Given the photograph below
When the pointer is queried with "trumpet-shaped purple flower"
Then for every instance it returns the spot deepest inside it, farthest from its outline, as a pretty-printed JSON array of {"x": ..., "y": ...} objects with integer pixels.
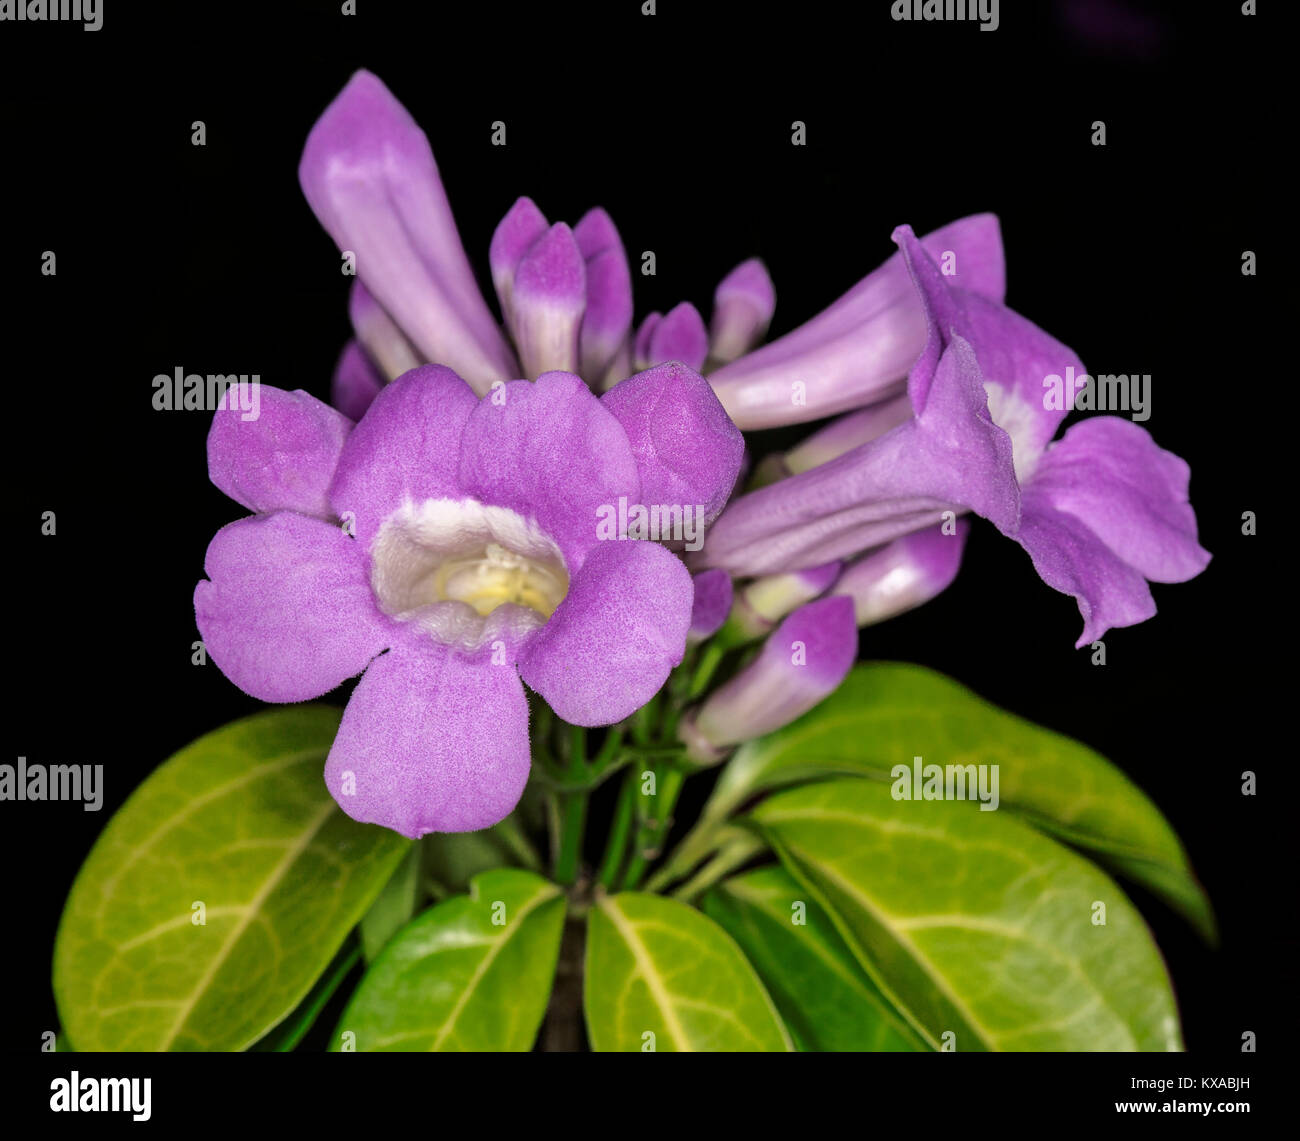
[
  {"x": 1101, "y": 511},
  {"x": 467, "y": 560}
]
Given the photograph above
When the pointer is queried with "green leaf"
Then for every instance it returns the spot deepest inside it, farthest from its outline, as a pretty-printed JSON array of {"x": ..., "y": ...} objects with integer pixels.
[
  {"x": 472, "y": 973},
  {"x": 292, "y": 1030},
  {"x": 658, "y": 967},
  {"x": 239, "y": 823},
  {"x": 887, "y": 713},
  {"x": 974, "y": 923},
  {"x": 826, "y": 999},
  {"x": 394, "y": 907}
]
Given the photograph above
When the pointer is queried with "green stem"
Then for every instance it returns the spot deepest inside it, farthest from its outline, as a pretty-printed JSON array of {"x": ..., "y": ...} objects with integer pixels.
[
  {"x": 572, "y": 811},
  {"x": 709, "y": 662},
  {"x": 655, "y": 823},
  {"x": 739, "y": 847},
  {"x": 612, "y": 861}
]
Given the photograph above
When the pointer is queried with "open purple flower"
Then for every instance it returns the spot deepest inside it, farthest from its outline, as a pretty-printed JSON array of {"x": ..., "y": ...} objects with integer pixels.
[
  {"x": 1101, "y": 512},
  {"x": 468, "y": 559}
]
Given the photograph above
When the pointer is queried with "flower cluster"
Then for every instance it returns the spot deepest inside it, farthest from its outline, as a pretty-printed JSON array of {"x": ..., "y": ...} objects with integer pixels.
[{"x": 436, "y": 529}]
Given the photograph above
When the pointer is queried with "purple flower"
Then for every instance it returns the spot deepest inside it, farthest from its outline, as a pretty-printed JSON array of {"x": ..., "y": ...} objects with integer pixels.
[
  {"x": 1101, "y": 511},
  {"x": 467, "y": 560}
]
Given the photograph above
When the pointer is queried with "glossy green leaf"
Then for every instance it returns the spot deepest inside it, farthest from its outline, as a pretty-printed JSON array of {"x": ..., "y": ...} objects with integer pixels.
[
  {"x": 238, "y": 831},
  {"x": 827, "y": 1000},
  {"x": 974, "y": 923},
  {"x": 289, "y": 1033},
  {"x": 472, "y": 973},
  {"x": 886, "y": 713},
  {"x": 394, "y": 907},
  {"x": 662, "y": 976}
]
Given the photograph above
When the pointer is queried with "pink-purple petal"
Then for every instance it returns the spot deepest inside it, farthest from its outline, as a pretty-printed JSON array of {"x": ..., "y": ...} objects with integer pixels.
[
  {"x": 611, "y": 643},
  {"x": 286, "y": 611},
  {"x": 548, "y": 450},
  {"x": 356, "y": 382},
  {"x": 680, "y": 336},
  {"x": 687, "y": 451},
  {"x": 285, "y": 459},
  {"x": 431, "y": 741},
  {"x": 406, "y": 447}
]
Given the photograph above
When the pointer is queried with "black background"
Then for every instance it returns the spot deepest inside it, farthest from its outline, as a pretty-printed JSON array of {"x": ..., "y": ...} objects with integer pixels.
[{"x": 679, "y": 124}]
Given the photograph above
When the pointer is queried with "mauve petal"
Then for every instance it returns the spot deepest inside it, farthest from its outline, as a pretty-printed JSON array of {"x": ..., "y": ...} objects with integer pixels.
[
  {"x": 713, "y": 595},
  {"x": 1110, "y": 474},
  {"x": 385, "y": 343},
  {"x": 515, "y": 234},
  {"x": 431, "y": 741},
  {"x": 356, "y": 383},
  {"x": 549, "y": 451},
  {"x": 855, "y": 350},
  {"x": 284, "y": 459},
  {"x": 407, "y": 446},
  {"x": 687, "y": 450},
  {"x": 1072, "y": 559},
  {"x": 743, "y": 305},
  {"x": 287, "y": 612},
  {"x": 612, "y": 642},
  {"x": 370, "y": 178},
  {"x": 680, "y": 336}
]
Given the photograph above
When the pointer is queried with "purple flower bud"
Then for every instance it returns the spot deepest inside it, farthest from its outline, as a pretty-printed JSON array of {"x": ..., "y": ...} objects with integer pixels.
[
  {"x": 515, "y": 234},
  {"x": 548, "y": 301},
  {"x": 712, "y": 604},
  {"x": 384, "y": 342},
  {"x": 609, "y": 295},
  {"x": 680, "y": 336},
  {"x": 641, "y": 355},
  {"x": 847, "y": 433},
  {"x": 903, "y": 574},
  {"x": 765, "y": 601},
  {"x": 743, "y": 305},
  {"x": 803, "y": 661}
]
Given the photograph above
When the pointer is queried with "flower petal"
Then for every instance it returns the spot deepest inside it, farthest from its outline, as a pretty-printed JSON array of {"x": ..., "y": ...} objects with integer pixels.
[
  {"x": 687, "y": 450},
  {"x": 284, "y": 459},
  {"x": 370, "y": 178},
  {"x": 612, "y": 642},
  {"x": 713, "y": 595},
  {"x": 287, "y": 612},
  {"x": 431, "y": 741},
  {"x": 407, "y": 446},
  {"x": 549, "y": 451},
  {"x": 1071, "y": 559},
  {"x": 356, "y": 382},
  {"x": 1110, "y": 474}
]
